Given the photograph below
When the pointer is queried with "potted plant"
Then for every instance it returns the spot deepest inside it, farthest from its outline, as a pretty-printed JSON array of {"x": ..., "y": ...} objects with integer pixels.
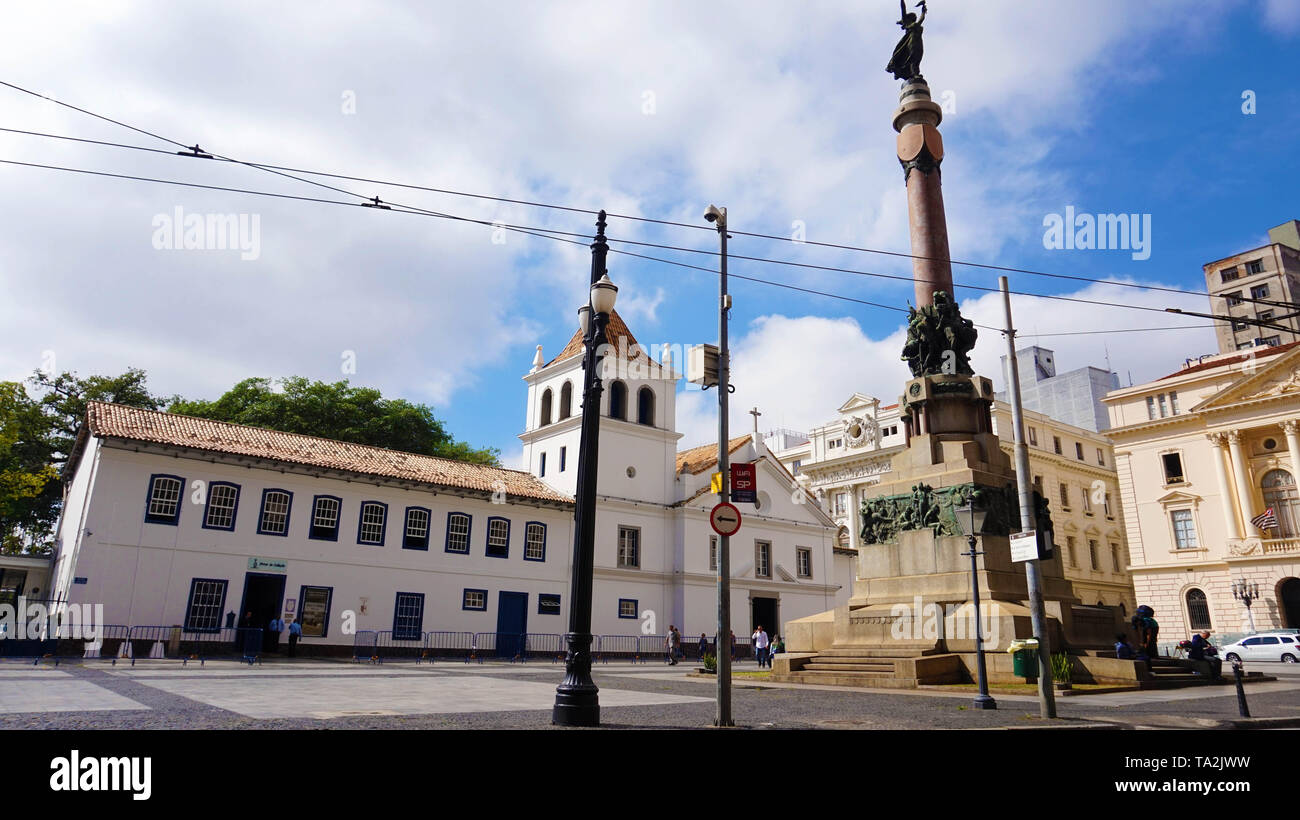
[{"x": 1062, "y": 666}]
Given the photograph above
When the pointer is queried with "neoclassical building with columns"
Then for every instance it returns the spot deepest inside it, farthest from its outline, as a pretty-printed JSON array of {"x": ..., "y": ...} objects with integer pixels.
[
  {"x": 1201, "y": 452},
  {"x": 843, "y": 461}
]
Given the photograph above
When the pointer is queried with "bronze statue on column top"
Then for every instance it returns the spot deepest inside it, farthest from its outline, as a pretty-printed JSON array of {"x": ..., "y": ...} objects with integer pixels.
[{"x": 906, "y": 62}]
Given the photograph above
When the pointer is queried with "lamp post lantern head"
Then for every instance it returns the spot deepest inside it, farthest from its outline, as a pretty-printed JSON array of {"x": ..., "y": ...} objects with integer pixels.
[
  {"x": 584, "y": 319},
  {"x": 970, "y": 518},
  {"x": 603, "y": 295}
]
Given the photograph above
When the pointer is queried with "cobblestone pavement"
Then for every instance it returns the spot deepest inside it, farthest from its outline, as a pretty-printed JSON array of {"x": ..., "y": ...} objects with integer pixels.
[{"x": 327, "y": 694}]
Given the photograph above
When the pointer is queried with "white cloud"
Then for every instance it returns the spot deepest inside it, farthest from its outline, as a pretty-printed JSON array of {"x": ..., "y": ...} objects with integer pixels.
[
  {"x": 779, "y": 112},
  {"x": 1282, "y": 16},
  {"x": 798, "y": 370}
]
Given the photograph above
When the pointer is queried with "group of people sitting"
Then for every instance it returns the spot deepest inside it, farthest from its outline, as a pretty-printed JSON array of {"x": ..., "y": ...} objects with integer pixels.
[{"x": 1199, "y": 649}]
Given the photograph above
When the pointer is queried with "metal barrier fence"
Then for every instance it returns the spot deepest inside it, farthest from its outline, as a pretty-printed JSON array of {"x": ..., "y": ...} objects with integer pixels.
[
  {"x": 363, "y": 645},
  {"x": 546, "y": 645},
  {"x": 399, "y": 646},
  {"x": 618, "y": 646},
  {"x": 175, "y": 642},
  {"x": 513, "y": 646},
  {"x": 448, "y": 645}
]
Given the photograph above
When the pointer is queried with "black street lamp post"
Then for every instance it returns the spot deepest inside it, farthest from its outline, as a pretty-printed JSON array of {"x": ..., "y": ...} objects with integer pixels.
[
  {"x": 974, "y": 516},
  {"x": 576, "y": 698},
  {"x": 1248, "y": 593}
]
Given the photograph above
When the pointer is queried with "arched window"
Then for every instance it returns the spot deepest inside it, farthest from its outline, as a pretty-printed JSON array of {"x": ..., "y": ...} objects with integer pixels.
[
  {"x": 546, "y": 408},
  {"x": 618, "y": 401},
  {"x": 1198, "y": 610},
  {"x": 645, "y": 406},
  {"x": 566, "y": 400},
  {"x": 1280, "y": 494}
]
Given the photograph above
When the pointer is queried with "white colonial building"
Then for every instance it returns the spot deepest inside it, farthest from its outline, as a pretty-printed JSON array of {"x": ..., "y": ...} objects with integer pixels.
[
  {"x": 171, "y": 521},
  {"x": 842, "y": 461}
]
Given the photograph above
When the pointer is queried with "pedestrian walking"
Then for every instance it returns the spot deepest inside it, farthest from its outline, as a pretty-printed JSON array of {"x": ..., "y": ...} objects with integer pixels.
[
  {"x": 733, "y": 644},
  {"x": 295, "y": 632},
  {"x": 761, "y": 643},
  {"x": 704, "y": 646},
  {"x": 672, "y": 644}
]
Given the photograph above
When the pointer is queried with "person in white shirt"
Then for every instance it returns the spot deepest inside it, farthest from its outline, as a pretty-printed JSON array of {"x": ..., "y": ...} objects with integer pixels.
[{"x": 760, "y": 646}]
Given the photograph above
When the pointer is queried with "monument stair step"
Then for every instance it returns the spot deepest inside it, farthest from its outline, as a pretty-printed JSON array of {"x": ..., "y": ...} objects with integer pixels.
[{"x": 838, "y": 666}]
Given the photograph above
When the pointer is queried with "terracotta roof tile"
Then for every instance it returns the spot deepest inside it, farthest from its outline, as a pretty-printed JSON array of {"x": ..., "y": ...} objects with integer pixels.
[
  {"x": 615, "y": 331},
  {"x": 698, "y": 459},
  {"x": 120, "y": 421},
  {"x": 1256, "y": 353}
]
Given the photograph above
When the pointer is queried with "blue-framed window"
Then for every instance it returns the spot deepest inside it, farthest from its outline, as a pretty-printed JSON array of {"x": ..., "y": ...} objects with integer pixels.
[
  {"x": 416, "y": 536},
  {"x": 223, "y": 506},
  {"x": 563, "y": 452},
  {"x": 474, "y": 600},
  {"x": 273, "y": 519},
  {"x": 163, "y": 505},
  {"x": 548, "y": 604},
  {"x": 325, "y": 513},
  {"x": 534, "y": 541},
  {"x": 314, "y": 611},
  {"x": 408, "y": 616},
  {"x": 458, "y": 530},
  {"x": 541, "y": 470},
  {"x": 206, "y": 604},
  {"x": 498, "y": 537},
  {"x": 372, "y": 523},
  {"x": 628, "y": 608}
]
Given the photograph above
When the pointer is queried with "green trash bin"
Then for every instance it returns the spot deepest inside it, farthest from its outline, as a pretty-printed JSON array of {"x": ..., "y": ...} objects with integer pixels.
[
  {"x": 1024, "y": 658},
  {"x": 1025, "y": 663}
]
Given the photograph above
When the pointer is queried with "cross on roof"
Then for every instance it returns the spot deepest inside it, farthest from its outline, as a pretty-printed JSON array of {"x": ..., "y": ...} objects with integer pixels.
[{"x": 754, "y": 412}]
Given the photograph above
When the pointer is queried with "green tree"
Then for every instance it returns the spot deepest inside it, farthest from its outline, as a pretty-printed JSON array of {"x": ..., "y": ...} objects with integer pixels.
[
  {"x": 66, "y": 396},
  {"x": 338, "y": 411},
  {"x": 29, "y": 485}
]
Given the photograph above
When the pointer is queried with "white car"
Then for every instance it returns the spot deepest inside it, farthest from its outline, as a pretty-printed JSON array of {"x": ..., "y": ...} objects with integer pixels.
[{"x": 1265, "y": 646}]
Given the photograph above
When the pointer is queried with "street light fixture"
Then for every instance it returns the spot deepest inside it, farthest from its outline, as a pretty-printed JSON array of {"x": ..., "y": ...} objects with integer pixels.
[
  {"x": 971, "y": 519},
  {"x": 576, "y": 698},
  {"x": 1248, "y": 593}
]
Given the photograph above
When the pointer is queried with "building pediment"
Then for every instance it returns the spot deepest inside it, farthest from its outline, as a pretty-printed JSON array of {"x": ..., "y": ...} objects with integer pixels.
[
  {"x": 1278, "y": 377},
  {"x": 1178, "y": 497},
  {"x": 858, "y": 402}
]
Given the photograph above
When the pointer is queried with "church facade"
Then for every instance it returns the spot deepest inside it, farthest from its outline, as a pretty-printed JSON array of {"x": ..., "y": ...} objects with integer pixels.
[{"x": 656, "y": 554}]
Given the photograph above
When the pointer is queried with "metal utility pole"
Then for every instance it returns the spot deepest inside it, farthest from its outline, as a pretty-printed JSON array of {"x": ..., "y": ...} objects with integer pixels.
[
  {"x": 1046, "y": 698},
  {"x": 723, "y": 715}
]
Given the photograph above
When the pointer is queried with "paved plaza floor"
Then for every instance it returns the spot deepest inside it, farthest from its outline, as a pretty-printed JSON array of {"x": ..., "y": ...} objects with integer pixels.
[{"x": 163, "y": 694}]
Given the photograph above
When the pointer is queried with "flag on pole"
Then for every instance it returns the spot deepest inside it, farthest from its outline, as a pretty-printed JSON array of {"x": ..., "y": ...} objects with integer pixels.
[{"x": 1265, "y": 520}]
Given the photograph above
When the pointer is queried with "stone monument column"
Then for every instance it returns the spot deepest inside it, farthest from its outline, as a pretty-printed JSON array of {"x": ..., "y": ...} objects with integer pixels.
[
  {"x": 1245, "y": 498},
  {"x": 920, "y": 150},
  {"x": 1219, "y": 443}
]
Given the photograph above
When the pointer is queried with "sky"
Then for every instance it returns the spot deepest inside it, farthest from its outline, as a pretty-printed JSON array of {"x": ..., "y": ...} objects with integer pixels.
[{"x": 779, "y": 112}]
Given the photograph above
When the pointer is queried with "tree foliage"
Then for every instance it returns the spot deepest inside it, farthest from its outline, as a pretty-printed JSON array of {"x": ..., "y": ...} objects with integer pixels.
[
  {"x": 37, "y": 432},
  {"x": 337, "y": 411}
]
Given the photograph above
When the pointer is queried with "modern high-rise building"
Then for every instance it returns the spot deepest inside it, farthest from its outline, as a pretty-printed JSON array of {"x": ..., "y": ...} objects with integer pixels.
[
  {"x": 1270, "y": 272},
  {"x": 1073, "y": 397}
]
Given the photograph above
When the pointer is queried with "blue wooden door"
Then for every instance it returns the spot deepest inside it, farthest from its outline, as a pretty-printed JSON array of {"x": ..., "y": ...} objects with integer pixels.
[{"x": 512, "y": 623}]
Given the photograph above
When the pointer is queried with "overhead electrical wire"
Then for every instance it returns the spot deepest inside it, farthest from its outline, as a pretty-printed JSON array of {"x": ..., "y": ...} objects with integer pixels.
[
  {"x": 529, "y": 230},
  {"x": 554, "y": 206}
]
